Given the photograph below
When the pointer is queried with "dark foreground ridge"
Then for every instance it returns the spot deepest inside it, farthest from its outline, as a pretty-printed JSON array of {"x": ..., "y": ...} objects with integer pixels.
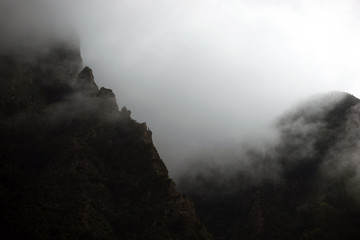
[
  {"x": 306, "y": 186},
  {"x": 72, "y": 166}
]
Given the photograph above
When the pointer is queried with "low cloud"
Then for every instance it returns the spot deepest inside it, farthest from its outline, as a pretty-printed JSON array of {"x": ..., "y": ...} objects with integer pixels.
[
  {"x": 200, "y": 73},
  {"x": 304, "y": 137},
  {"x": 342, "y": 161}
]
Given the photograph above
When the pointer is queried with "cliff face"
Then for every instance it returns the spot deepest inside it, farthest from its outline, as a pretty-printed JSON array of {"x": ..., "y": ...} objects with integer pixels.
[{"x": 72, "y": 166}]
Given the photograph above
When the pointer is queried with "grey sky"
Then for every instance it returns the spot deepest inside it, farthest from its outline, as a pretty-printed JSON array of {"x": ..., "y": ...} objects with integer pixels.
[{"x": 206, "y": 72}]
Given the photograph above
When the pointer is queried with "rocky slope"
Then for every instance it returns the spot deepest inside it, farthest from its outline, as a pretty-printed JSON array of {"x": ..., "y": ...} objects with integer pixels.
[
  {"x": 72, "y": 166},
  {"x": 305, "y": 186}
]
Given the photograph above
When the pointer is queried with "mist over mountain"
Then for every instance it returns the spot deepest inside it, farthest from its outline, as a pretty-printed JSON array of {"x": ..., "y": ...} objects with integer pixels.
[
  {"x": 211, "y": 79},
  {"x": 72, "y": 166},
  {"x": 304, "y": 186},
  {"x": 202, "y": 73}
]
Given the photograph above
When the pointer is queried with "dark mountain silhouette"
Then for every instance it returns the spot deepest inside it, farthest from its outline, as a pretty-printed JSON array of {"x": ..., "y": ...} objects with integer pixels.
[
  {"x": 72, "y": 166},
  {"x": 303, "y": 187}
]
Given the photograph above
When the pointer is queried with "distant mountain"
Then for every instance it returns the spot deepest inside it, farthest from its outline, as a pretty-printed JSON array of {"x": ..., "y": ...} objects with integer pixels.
[
  {"x": 304, "y": 186},
  {"x": 72, "y": 166}
]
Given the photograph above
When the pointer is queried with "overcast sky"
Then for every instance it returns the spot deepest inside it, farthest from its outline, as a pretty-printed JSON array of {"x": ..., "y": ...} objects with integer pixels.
[{"x": 209, "y": 72}]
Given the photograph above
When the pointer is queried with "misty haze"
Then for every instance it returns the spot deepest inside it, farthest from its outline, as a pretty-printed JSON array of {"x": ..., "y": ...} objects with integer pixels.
[{"x": 251, "y": 108}]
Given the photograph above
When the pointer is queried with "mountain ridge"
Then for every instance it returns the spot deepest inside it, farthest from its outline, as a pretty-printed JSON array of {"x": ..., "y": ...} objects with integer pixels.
[
  {"x": 75, "y": 167},
  {"x": 302, "y": 187}
]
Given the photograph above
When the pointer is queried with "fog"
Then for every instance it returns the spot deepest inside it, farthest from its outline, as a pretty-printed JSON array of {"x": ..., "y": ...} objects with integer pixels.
[
  {"x": 204, "y": 73},
  {"x": 305, "y": 137}
]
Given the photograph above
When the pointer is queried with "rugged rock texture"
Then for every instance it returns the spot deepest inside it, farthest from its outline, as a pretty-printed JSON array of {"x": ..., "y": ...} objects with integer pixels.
[
  {"x": 85, "y": 82},
  {"x": 74, "y": 167}
]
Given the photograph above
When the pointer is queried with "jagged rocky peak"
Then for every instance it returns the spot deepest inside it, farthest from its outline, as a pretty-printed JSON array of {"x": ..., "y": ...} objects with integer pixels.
[
  {"x": 77, "y": 162},
  {"x": 106, "y": 93},
  {"x": 107, "y": 100},
  {"x": 125, "y": 113},
  {"x": 85, "y": 82}
]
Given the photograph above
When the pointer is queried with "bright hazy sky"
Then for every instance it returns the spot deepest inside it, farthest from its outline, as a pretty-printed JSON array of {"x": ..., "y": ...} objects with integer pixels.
[{"x": 205, "y": 72}]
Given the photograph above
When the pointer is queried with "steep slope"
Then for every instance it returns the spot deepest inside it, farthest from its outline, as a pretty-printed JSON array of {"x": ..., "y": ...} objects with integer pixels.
[
  {"x": 303, "y": 187},
  {"x": 72, "y": 166}
]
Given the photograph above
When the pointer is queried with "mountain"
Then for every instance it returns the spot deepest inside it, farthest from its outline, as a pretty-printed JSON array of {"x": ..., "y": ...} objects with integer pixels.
[
  {"x": 304, "y": 186},
  {"x": 72, "y": 166}
]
